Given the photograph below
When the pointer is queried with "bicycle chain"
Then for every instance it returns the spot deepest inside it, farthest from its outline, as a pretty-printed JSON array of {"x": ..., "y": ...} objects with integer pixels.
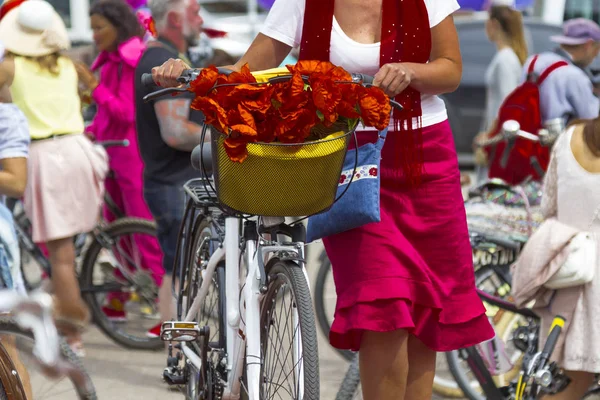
[{"x": 218, "y": 387}]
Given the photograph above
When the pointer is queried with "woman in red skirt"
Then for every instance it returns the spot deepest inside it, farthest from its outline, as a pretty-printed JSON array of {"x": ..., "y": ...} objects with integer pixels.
[{"x": 405, "y": 285}]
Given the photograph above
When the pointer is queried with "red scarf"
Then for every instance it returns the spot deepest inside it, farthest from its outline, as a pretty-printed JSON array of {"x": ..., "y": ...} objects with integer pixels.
[{"x": 405, "y": 37}]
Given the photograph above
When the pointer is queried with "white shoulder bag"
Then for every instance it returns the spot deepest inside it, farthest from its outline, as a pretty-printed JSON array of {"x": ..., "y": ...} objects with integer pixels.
[{"x": 580, "y": 265}]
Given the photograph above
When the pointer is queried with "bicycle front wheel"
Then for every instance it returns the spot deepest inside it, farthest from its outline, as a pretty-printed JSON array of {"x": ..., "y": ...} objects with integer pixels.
[
  {"x": 20, "y": 373},
  {"x": 350, "y": 387},
  {"x": 113, "y": 271},
  {"x": 290, "y": 366}
]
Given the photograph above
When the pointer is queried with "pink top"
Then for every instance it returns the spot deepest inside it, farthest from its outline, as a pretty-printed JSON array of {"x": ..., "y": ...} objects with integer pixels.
[{"x": 115, "y": 95}]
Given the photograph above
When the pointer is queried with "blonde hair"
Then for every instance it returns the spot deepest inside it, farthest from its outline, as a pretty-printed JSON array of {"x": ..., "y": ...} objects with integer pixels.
[
  {"x": 48, "y": 62},
  {"x": 511, "y": 22}
]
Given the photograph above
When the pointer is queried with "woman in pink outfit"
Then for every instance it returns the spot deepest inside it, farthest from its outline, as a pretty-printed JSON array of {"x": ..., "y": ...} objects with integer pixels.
[
  {"x": 117, "y": 34},
  {"x": 405, "y": 286}
]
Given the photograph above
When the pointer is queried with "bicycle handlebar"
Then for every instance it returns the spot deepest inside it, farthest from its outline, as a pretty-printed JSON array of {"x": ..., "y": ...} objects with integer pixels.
[
  {"x": 113, "y": 143},
  {"x": 553, "y": 336},
  {"x": 190, "y": 75},
  {"x": 511, "y": 129}
]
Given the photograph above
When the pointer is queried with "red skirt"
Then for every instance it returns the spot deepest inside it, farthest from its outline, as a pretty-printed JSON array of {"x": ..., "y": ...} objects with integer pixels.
[{"x": 414, "y": 269}]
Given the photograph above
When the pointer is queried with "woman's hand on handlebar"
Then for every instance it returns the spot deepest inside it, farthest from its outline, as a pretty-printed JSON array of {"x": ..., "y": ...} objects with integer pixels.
[
  {"x": 393, "y": 78},
  {"x": 166, "y": 75}
]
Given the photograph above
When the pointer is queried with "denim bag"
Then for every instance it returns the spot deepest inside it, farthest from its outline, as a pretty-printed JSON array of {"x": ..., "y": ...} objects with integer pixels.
[{"x": 359, "y": 204}]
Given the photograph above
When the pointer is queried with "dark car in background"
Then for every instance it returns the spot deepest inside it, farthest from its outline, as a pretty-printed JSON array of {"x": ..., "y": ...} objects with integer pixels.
[{"x": 466, "y": 106}]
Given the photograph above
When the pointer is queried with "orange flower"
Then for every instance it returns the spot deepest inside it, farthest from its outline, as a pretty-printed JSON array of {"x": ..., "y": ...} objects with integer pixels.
[
  {"x": 348, "y": 105},
  {"x": 266, "y": 125},
  {"x": 326, "y": 96},
  {"x": 205, "y": 81},
  {"x": 295, "y": 126},
  {"x": 243, "y": 76},
  {"x": 241, "y": 121},
  {"x": 262, "y": 104},
  {"x": 236, "y": 148},
  {"x": 291, "y": 95},
  {"x": 214, "y": 114},
  {"x": 286, "y": 112},
  {"x": 374, "y": 108}
]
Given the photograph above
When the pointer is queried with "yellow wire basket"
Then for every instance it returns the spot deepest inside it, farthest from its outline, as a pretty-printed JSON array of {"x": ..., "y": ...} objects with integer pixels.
[{"x": 279, "y": 179}]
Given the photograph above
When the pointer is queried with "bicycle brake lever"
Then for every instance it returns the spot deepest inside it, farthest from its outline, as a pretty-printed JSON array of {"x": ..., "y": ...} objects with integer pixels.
[
  {"x": 396, "y": 105},
  {"x": 162, "y": 92}
]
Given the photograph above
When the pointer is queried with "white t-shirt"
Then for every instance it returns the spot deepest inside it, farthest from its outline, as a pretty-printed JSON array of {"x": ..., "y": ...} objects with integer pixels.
[{"x": 284, "y": 24}]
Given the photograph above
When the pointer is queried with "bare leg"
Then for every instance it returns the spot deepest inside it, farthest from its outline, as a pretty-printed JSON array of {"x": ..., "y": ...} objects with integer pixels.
[
  {"x": 69, "y": 303},
  {"x": 9, "y": 343},
  {"x": 580, "y": 383},
  {"x": 384, "y": 365},
  {"x": 421, "y": 359}
]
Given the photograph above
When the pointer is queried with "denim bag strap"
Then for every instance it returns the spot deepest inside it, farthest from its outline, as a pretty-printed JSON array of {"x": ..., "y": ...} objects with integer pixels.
[{"x": 381, "y": 139}]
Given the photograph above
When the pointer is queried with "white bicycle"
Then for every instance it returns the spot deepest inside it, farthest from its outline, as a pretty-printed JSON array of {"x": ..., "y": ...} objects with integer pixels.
[{"x": 246, "y": 326}]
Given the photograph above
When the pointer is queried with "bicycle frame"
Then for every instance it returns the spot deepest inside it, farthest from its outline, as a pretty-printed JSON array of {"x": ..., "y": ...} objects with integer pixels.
[
  {"x": 243, "y": 323},
  {"x": 474, "y": 359}
]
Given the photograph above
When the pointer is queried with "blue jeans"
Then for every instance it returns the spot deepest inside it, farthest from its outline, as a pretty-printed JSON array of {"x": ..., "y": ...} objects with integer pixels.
[
  {"x": 167, "y": 205},
  {"x": 10, "y": 256}
]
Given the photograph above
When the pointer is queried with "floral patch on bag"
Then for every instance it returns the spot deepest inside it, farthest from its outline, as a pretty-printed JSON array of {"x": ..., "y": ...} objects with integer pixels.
[{"x": 362, "y": 172}]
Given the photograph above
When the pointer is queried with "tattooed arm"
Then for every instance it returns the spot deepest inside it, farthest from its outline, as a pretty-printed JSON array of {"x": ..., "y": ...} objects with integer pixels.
[{"x": 176, "y": 129}]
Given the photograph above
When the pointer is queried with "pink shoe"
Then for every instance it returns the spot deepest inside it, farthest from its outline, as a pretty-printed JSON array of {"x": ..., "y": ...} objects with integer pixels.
[
  {"x": 154, "y": 332},
  {"x": 114, "y": 315}
]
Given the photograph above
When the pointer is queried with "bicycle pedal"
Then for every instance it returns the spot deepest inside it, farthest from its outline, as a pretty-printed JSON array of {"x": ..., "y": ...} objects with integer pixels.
[
  {"x": 176, "y": 331},
  {"x": 173, "y": 378}
]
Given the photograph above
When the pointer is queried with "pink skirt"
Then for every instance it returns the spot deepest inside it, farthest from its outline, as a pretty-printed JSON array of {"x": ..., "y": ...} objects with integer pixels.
[
  {"x": 414, "y": 269},
  {"x": 65, "y": 186}
]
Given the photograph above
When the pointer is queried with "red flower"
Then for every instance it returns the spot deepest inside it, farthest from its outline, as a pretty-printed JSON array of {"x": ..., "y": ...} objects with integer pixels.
[
  {"x": 317, "y": 93},
  {"x": 236, "y": 148},
  {"x": 373, "y": 171},
  {"x": 214, "y": 114},
  {"x": 205, "y": 81},
  {"x": 342, "y": 178},
  {"x": 374, "y": 108}
]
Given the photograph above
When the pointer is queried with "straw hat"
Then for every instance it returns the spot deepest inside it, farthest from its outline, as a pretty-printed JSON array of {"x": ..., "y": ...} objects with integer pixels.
[{"x": 34, "y": 29}]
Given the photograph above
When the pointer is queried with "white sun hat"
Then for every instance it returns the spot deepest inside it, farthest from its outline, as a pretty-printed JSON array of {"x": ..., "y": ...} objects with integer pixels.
[
  {"x": 506, "y": 3},
  {"x": 34, "y": 29}
]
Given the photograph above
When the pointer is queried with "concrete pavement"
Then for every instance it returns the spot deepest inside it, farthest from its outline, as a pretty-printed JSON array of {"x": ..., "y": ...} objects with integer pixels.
[{"x": 124, "y": 374}]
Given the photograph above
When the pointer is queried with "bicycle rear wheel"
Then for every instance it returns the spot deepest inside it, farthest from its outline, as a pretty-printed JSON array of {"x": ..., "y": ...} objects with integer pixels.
[
  {"x": 205, "y": 382},
  {"x": 113, "y": 251},
  {"x": 325, "y": 298},
  {"x": 287, "y": 311},
  {"x": 79, "y": 385}
]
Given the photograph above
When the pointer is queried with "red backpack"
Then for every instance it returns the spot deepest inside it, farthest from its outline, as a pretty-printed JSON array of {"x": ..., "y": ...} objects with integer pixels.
[{"x": 518, "y": 159}]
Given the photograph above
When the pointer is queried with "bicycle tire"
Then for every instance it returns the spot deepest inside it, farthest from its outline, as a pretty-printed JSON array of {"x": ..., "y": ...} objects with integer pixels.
[
  {"x": 123, "y": 226},
  {"x": 10, "y": 327},
  {"x": 350, "y": 386},
  {"x": 288, "y": 272},
  {"x": 9, "y": 382},
  {"x": 192, "y": 286},
  {"x": 320, "y": 312},
  {"x": 460, "y": 375}
]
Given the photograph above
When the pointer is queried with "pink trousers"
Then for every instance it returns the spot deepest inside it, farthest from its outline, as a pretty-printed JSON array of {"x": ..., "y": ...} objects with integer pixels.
[{"x": 125, "y": 188}]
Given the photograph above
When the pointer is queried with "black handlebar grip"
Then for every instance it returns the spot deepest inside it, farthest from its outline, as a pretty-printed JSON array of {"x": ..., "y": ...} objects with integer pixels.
[
  {"x": 148, "y": 81},
  {"x": 553, "y": 336}
]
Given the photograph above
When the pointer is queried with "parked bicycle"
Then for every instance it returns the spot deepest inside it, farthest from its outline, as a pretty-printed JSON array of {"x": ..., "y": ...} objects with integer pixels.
[
  {"x": 109, "y": 263},
  {"x": 258, "y": 293},
  {"x": 29, "y": 329}
]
